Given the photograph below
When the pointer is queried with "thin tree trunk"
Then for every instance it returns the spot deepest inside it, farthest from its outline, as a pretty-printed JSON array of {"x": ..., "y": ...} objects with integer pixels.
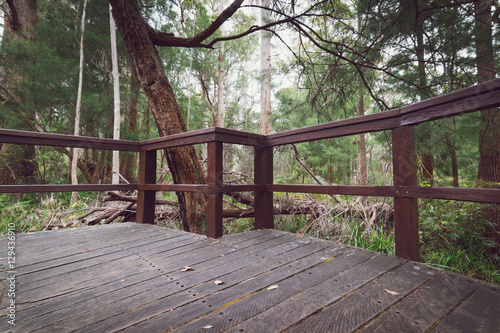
[
  {"x": 427, "y": 158},
  {"x": 183, "y": 161},
  {"x": 116, "y": 95},
  {"x": 362, "y": 178},
  {"x": 453, "y": 156},
  {"x": 189, "y": 88},
  {"x": 76, "y": 151},
  {"x": 220, "y": 90},
  {"x": 128, "y": 164},
  {"x": 265, "y": 64}
]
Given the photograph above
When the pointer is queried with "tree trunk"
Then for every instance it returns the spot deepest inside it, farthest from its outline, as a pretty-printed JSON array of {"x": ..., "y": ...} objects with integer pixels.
[
  {"x": 453, "y": 156},
  {"x": 128, "y": 160},
  {"x": 362, "y": 178},
  {"x": 183, "y": 161},
  {"x": 76, "y": 151},
  {"x": 17, "y": 162},
  {"x": 265, "y": 65},
  {"x": 427, "y": 158},
  {"x": 116, "y": 98},
  {"x": 220, "y": 90},
  {"x": 489, "y": 133}
]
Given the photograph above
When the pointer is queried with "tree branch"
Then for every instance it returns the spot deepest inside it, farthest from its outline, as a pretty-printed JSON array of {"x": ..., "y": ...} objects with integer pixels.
[{"x": 167, "y": 39}]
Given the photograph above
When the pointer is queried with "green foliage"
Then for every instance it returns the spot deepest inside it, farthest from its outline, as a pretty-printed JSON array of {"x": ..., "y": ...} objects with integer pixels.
[{"x": 453, "y": 236}]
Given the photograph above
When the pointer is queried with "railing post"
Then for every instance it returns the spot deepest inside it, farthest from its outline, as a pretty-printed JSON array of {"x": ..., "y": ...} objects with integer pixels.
[
  {"x": 146, "y": 200},
  {"x": 405, "y": 209},
  {"x": 263, "y": 175},
  {"x": 214, "y": 198}
]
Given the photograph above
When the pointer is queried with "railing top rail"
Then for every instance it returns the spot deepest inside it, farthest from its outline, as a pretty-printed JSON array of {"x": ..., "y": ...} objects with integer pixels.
[
  {"x": 64, "y": 140},
  {"x": 479, "y": 97},
  {"x": 205, "y": 135}
]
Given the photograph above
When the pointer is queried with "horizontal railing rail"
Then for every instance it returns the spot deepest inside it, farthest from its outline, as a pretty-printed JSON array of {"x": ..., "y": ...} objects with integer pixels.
[{"x": 400, "y": 121}]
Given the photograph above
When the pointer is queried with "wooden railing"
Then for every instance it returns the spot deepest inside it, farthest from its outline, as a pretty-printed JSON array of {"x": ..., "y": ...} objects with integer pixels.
[{"x": 405, "y": 189}]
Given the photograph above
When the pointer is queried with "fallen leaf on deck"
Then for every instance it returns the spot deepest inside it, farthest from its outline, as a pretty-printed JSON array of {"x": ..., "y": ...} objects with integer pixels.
[
  {"x": 391, "y": 292},
  {"x": 187, "y": 268},
  {"x": 274, "y": 286},
  {"x": 208, "y": 327},
  {"x": 217, "y": 282}
]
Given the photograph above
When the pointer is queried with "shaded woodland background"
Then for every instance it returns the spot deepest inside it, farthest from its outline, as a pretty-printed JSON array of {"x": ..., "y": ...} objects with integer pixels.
[{"x": 326, "y": 61}]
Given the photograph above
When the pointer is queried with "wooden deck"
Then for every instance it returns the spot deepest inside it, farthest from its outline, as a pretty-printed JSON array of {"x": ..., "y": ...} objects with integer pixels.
[{"x": 129, "y": 277}]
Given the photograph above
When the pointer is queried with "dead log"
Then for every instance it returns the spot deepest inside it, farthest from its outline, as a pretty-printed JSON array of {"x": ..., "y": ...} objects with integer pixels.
[{"x": 375, "y": 214}]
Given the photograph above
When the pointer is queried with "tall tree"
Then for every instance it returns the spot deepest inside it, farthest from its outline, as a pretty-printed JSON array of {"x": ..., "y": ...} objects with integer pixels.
[
  {"x": 489, "y": 133},
  {"x": 265, "y": 71},
  {"x": 17, "y": 163},
  {"x": 489, "y": 136},
  {"x": 116, "y": 97},
  {"x": 183, "y": 162},
  {"x": 76, "y": 151}
]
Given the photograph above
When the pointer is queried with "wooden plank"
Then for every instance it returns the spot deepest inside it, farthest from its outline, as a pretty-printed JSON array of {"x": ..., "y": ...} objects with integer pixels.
[
  {"x": 62, "y": 140},
  {"x": 66, "y": 188},
  {"x": 146, "y": 199},
  {"x": 479, "y": 97},
  {"x": 109, "y": 302},
  {"x": 126, "y": 282},
  {"x": 122, "y": 281},
  {"x": 307, "y": 302},
  {"x": 479, "y": 313},
  {"x": 104, "y": 247},
  {"x": 352, "y": 311},
  {"x": 486, "y": 195},
  {"x": 207, "y": 188},
  {"x": 86, "y": 249},
  {"x": 419, "y": 311},
  {"x": 405, "y": 209},
  {"x": 201, "y": 286},
  {"x": 263, "y": 199},
  {"x": 234, "y": 293},
  {"x": 233, "y": 313},
  {"x": 203, "y": 136},
  {"x": 362, "y": 124},
  {"x": 378, "y": 191},
  {"x": 97, "y": 274},
  {"x": 215, "y": 173}
]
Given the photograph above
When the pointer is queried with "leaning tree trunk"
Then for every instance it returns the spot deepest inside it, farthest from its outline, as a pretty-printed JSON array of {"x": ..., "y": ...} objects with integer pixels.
[
  {"x": 182, "y": 161},
  {"x": 17, "y": 162}
]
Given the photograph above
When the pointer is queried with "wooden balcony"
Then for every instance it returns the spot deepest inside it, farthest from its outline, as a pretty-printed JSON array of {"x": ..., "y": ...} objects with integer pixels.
[
  {"x": 129, "y": 277},
  {"x": 132, "y": 278}
]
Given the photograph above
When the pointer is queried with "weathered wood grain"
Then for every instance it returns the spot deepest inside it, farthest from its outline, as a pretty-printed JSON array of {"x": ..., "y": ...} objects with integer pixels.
[
  {"x": 62, "y": 140},
  {"x": 132, "y": 281},
  {"x": 420, "y": 310},
  {"x": 297, "y": 308},
  {"x": 353, "y": 311},
  {"x": 479, "y": 313}
]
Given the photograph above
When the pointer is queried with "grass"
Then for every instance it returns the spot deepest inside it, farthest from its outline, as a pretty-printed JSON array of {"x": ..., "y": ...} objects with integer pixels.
[
  {"x": 453, "y": 236},
  {"x": 31, "y": 212}
]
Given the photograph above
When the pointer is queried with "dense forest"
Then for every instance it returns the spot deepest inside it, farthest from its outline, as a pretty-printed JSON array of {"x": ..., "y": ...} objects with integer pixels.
[{"x": 142, "y": 69}]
